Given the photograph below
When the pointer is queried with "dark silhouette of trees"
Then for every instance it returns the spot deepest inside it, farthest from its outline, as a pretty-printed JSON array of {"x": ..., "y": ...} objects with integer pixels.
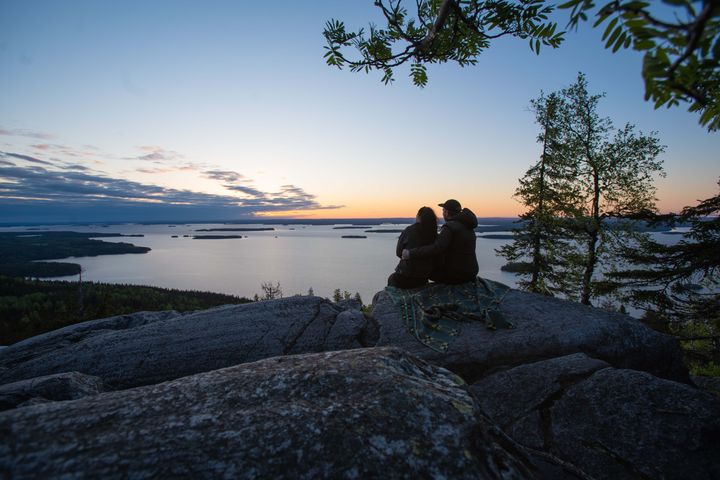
[{"x": 31, "y": 307}]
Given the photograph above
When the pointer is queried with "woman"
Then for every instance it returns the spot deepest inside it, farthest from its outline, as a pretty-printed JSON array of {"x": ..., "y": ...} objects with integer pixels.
[{"x": 414, "y": 273}]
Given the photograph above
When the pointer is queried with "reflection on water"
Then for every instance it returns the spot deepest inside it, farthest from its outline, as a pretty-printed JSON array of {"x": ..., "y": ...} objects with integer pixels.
[{"x": 297, "y": 256}]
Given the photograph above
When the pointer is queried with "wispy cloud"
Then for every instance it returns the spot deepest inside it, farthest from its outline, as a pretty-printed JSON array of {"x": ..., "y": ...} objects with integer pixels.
[
  {"x": 155, "y": 170},
  {"x": 224, "y": 175},
  {"x": 20, "y": 132},
  {"x": 27, "y": 158},
  {"x": 52, "y": 179},
  {"x": 158, "y": 154},
  {"x": 253, "y": 192}
]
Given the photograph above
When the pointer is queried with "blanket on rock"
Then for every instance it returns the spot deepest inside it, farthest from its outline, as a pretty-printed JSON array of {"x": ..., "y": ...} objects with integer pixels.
[{"x": 434, "y": 313}]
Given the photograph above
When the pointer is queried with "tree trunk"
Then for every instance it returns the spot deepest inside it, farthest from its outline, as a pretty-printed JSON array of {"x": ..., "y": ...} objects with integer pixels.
[
  {"x": 540, "y": 213},
  {"x": 593, "y": 231}
]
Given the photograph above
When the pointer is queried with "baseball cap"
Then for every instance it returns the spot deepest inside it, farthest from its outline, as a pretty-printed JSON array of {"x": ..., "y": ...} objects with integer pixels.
[{"x": 451, "y": 205}]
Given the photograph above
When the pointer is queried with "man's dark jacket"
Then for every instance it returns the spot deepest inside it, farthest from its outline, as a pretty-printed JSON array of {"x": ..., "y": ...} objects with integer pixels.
[
  {"x": 455, "y": 249},
  {"x": 418, "y": 267}
]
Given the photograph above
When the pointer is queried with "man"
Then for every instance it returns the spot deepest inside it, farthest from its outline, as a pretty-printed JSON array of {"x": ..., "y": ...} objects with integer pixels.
[{"x": 454, "y": 248}]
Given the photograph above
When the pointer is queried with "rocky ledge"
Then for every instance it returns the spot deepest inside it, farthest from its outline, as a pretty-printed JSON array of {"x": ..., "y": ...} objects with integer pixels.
[{"x": 245, "y": 391}]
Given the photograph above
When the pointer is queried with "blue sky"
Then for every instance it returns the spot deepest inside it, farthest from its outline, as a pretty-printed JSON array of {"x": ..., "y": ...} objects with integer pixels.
[{"x": 150, "y": 100}]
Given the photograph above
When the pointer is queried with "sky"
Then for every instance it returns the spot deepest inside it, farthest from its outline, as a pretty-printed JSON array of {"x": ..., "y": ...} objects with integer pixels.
[{"x": 222, "y": 110}]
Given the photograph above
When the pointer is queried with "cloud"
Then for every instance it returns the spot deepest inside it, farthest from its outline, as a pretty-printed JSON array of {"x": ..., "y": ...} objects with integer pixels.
[
  {"x": 224, "y": 175},
  {"x": 158, "y": 154},
  {"x": 154, "y": 171},
  {"x": 253, "y": 192},
  {"x": 56, "y": 183},
  {"x": 74, "y": 166},
  {"x": 23, "y": 189},
  {"x": 19, "y": 132},
  {"x": 27, "y": 158}
]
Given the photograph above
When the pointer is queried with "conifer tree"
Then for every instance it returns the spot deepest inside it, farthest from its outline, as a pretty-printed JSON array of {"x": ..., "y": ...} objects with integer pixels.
[
  {"x": 678, "y": 282},
  {"x": 547, "y": 190},
  {"x": 678, "y": 285},
  {"x": 614, "y": 174}
]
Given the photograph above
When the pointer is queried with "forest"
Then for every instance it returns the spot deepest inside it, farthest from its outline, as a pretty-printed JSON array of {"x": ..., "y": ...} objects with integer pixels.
[{"x": 32, "y": 307}]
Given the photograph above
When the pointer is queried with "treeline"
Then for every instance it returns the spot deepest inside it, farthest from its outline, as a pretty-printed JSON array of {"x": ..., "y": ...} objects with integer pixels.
[
  {"x": 32, "y": 307},
  {"x": 586, "y": 196}
]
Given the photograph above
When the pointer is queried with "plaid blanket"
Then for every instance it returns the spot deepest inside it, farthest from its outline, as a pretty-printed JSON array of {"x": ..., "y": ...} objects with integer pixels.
[{"x": 434, "y": 313}]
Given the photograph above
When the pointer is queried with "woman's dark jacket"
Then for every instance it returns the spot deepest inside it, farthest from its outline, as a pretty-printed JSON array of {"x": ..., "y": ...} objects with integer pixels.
[
  {"x": 454, "y": 247},
  {"x": 419, "y": 268}
]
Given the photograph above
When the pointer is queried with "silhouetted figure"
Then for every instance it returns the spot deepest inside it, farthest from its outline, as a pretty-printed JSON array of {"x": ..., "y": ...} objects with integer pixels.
[
  {"x": 414, "y": 273},
  {"x": 454, "y": 248}
]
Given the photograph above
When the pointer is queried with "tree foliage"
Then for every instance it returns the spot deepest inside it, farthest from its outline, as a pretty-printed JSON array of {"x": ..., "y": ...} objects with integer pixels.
[
  {"x": 681, "y": 62},
  {"x": 542, "y": 249},
  {"x": 677, "y": 280},
  {"x": 614, "y": 172},
  {"x": 438, "y": 31},
  {"x": 588, "y": 174},
  {"x": 677, "y": 284}
]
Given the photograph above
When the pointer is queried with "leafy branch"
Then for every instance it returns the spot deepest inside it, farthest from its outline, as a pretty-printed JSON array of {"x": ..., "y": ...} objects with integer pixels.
[{"x": 441, "y": 31}]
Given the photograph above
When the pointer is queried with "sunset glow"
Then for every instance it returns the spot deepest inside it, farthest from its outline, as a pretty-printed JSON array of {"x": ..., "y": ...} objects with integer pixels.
[{"x": 230, "y": 108}]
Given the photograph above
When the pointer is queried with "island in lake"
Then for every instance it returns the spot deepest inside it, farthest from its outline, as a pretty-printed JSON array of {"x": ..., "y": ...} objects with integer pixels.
[
  {"x": 354, "y": 236},
  {"x": 215, "y": 237},
  {"x": 498, "y": 236},
  {"x": 20, "y": 251},
  {"x": 239, "y": 229}
]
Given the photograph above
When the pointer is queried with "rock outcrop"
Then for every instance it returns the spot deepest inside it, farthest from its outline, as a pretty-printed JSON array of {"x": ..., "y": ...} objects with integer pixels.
[
  {"x": 616, "y": 423},
  {"x": 545, "y": 328},
  {"x": 371, "y": 413},
  {"x": 61, "y": 386},
  {"x": 147, "y": 348},
  {"x": 571, "y": 392}
]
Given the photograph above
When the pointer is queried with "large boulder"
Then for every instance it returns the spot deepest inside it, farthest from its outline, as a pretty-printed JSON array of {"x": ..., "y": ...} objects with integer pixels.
[
  {"x": 148, "y": 348},
  {"x": 544, "y": 328},
  {"x": 366, "y": 413},
  {"x": 614, "y": 423}
]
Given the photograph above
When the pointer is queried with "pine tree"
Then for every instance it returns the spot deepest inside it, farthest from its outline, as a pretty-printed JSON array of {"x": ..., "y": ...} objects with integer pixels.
[
  {"x": 678, "y": 281},
  {"x": 679, "y": 285},
  {"x": 548, "y": 191}
]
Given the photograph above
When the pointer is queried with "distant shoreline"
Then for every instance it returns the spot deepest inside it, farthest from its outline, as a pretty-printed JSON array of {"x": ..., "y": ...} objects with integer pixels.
[
  {"x": 360, "y": 222},
  {"x": 485, "y": 224}
]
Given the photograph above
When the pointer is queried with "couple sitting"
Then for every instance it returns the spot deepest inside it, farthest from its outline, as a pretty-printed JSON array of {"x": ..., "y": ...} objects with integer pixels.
[{"x": 447, "y": 257}]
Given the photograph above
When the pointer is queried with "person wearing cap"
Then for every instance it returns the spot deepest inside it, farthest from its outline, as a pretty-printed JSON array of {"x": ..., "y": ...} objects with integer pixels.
[{"x": 454, "y": 248}]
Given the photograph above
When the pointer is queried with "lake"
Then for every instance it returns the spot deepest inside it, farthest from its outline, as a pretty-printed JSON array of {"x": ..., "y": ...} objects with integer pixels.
[{"x": 299, "y": 257}]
